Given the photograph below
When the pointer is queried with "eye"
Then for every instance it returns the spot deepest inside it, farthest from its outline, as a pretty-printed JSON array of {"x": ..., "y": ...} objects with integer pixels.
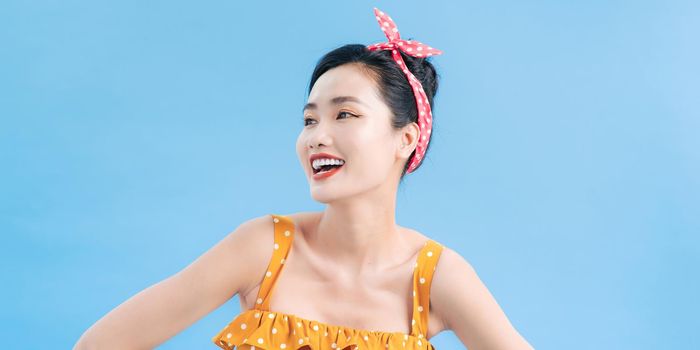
[
  {"x": 339, "y": 114},
  {"x": 348, "y": 113}
]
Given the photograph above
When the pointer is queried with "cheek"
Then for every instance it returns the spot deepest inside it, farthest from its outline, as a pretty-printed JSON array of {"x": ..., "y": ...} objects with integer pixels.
[
  {"x": 301, "y": 149},
  {"x": 369, "y": 148}
]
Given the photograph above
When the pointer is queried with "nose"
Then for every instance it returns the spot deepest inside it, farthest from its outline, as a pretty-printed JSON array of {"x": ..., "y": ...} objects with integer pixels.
[{"x": 319, "y": 136}]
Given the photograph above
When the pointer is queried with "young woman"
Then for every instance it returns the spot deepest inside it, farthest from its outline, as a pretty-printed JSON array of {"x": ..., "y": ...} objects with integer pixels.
[{"x": 348, "y": 277}]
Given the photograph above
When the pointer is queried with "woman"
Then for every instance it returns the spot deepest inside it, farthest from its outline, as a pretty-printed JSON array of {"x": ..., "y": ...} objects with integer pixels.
[{"x": 347, "y": 270}]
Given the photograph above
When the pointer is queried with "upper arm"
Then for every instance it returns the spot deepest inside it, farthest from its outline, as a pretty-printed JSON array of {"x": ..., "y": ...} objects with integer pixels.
[
  {"x": 162, "y": 310},
  {"x": 465, "y": 305}
]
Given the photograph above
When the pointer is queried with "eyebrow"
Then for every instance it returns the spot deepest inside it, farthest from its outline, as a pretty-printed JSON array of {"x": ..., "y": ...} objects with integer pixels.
[{"x": 336, "y": 101}]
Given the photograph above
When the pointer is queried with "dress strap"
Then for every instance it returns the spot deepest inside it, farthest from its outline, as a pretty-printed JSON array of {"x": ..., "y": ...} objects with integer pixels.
[
  {"x": 422, "y": 277},
  {"x": 283, "y": 237}
]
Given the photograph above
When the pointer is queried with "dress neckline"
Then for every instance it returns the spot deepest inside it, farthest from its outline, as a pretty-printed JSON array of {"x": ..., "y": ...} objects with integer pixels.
[
  {"x": 264, "y": 313},
  {"x": 423, "y": 267}
]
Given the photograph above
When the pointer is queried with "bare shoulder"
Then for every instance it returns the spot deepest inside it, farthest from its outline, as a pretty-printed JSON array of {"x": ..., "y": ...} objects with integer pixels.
[
  {"x": 254, "y": 239},
  {"x": 252, "y": 242},
  {"x": 466, "y": 306}
]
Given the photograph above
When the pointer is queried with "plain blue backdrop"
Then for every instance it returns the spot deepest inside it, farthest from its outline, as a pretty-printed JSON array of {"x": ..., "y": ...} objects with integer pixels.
[{"x": 565, "y": 163}]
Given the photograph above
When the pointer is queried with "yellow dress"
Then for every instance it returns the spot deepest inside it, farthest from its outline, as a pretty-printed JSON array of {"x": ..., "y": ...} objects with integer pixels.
[{"x": 262, "y": 329}]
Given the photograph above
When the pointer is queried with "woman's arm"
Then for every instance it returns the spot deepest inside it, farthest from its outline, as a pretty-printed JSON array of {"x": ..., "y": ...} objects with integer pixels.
[
  {"x": 164, "y": 309},
  {"x": 467, "y": 307}
]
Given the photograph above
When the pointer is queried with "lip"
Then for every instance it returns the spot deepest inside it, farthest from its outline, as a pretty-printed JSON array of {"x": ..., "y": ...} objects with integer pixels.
[{"x": 321, "y": 176}]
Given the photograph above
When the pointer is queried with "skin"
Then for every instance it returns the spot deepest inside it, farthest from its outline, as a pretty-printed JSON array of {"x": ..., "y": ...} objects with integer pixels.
[{"x": 349, "y": 265}]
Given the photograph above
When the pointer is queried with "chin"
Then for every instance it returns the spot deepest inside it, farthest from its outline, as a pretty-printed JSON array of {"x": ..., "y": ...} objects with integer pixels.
[
  {"x": 327, "y": 194},
  {"x": 324, "y": 196}
]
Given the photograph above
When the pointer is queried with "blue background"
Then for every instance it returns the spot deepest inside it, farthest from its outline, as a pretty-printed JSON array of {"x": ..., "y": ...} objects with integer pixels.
[{"x": 565, "y": 163}]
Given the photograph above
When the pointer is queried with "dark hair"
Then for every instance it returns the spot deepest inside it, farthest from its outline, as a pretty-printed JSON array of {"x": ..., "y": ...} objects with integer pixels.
[{"x": 390, "y": 79}]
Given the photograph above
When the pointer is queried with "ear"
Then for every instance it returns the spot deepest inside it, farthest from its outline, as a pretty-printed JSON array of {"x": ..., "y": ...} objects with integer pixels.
[{"x": 408, "y": 140}]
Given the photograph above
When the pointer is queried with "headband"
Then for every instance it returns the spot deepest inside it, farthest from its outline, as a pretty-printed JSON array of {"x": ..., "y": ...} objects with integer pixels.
[{"x": 416, "y": 49}]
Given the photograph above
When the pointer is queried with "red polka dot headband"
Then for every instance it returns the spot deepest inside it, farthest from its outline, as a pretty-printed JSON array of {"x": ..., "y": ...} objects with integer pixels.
[{"x": 416, "y": 49}]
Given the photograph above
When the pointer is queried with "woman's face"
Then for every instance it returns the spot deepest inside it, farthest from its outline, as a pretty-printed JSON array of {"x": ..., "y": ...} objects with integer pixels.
[{"x": 356, "y": 129}]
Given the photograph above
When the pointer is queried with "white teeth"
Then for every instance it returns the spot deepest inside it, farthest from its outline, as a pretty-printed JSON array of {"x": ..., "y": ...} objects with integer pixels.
[{"x": 318, "y": 163}]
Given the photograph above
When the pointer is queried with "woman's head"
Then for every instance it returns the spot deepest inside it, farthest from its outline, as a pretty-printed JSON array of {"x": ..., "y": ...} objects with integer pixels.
[{"x": 376, "y": 136}]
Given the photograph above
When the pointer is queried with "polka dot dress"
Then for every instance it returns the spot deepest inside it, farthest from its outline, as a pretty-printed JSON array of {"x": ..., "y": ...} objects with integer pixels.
[
  {"x": 416, "y": 49},
  {"x": 262, "y": 328}
]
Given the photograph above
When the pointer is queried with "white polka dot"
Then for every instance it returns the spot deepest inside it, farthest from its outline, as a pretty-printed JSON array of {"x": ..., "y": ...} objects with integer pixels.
[
  {"x": 334, "y": 345},
  {"x": 268, "y": 274},
  {"x": 276, "y": 220},
  {"x": 270, "y": 315},
  {"x": 422, "y": 280},
  {"x": 419, "y": 343},
  {"x": 414, "y": 293},
  {"x": 366, "y": 338},
  {"x": 244, "y": 326},
  {"x": 229, "y": 335},
  {"x": 301, "y": 341},
  {"x": 286, "y": 233},
  {"x": 298, "y": 324},
  {"x": 315, "y": 327},
  {"x": 420, "y": 308},
  {"x": 282, "y": 261},
  {"x": 257, "y": 314},
  {"x": 430, "y": 253},
  {"x": 277, "y": 246},
  {"x": 413, "y": 321},
  {"x": 274, "y": 330},
  {"x": 259, "y": 301},
  {"x": 260, "y": 340},
  {"x": 283, "y": 345}
]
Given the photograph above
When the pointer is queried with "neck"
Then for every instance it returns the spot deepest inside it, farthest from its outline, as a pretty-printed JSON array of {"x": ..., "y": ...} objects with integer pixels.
[{"x": 361, "y": 235}]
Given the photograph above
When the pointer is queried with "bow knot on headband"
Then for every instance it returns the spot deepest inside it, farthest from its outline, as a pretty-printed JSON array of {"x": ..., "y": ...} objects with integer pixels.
[{"x": 415, "y": 49}]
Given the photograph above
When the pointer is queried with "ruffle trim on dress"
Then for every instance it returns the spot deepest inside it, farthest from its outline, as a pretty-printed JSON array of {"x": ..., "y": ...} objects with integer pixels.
[{"x": 268, "y": 330}]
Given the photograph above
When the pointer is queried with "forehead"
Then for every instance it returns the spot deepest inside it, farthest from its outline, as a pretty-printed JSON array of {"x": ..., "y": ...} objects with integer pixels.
[{"x": 345, "y": 80}]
